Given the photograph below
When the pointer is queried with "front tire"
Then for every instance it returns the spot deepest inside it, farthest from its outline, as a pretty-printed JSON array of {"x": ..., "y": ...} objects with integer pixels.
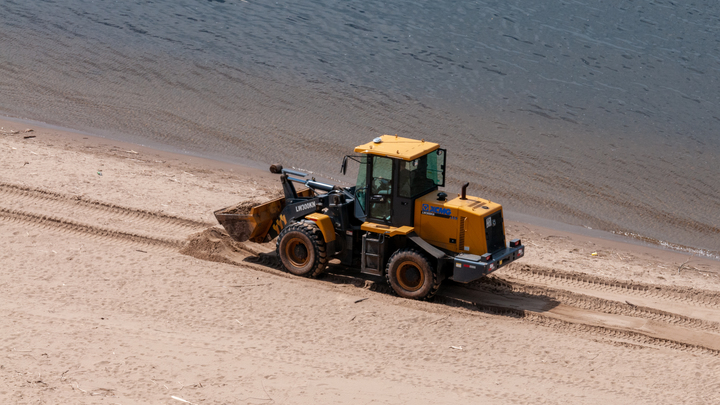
[
  {"x": 302, "y": 249},
  {"x": 411, "y": 275}
]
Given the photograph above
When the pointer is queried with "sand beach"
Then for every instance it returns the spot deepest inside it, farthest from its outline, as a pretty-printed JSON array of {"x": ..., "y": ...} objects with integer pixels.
[{"x": 100, "y": 306}]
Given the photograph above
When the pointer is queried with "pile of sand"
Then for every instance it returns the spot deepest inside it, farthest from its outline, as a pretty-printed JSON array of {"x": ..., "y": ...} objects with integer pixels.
[{"x": 214, "y": 244}]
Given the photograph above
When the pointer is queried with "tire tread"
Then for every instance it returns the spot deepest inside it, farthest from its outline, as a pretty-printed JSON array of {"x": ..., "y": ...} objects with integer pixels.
[
  {"x": 317, "y": 240},
  {"x": 418, "y": 256}
]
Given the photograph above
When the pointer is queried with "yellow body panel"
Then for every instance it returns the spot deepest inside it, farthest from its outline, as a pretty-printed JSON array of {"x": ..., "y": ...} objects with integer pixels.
[
  {"x": 386, "y": 229},
  {"x": 398, "y": 147},
  {"x": 325, "y": 224},
  {"x": 456, "y": 225}
]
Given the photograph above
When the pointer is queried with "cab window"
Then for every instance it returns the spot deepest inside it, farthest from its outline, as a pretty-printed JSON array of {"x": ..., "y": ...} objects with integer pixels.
[
  {"x": 361, "y": 183},
  {"x": 422, "y": 174},
  {"x": 381, "y": 188}
]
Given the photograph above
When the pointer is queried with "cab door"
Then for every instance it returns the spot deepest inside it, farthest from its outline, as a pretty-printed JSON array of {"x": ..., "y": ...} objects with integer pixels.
[{"x": 380, "y": 187}]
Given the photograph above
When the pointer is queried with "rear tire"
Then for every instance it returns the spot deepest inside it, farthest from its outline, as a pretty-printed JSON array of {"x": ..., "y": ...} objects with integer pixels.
[
  {"x": 302, "y": 249},
  {"x": 411, "y": 275}
]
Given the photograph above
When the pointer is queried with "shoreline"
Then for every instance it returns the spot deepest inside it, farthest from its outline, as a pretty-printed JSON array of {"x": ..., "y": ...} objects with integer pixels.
[{"x": 256, "y": 170}]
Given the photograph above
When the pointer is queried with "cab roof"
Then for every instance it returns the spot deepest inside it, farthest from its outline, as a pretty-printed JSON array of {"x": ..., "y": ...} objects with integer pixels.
[{"x": 397, "y": 147}]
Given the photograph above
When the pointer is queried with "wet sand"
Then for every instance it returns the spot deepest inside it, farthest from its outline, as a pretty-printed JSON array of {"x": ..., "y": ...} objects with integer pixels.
[{"x": 98, "y": 303}]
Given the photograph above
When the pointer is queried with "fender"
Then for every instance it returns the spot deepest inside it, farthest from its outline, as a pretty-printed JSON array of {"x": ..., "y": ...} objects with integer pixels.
[
  {"x": 325, "y": 224},
  {"x": 438, "y": 254}
]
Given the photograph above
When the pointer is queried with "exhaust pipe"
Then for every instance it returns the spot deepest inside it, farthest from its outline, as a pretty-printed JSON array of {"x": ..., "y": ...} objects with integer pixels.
[{"x": 464, "y": 191}]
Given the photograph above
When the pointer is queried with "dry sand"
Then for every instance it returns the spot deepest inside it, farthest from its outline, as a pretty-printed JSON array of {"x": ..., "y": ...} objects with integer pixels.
[{"x": 98, "y": 305}]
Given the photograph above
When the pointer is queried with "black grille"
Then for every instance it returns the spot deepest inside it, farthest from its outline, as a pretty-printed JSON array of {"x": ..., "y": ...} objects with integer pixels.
[{"x": 494, "y": 232}]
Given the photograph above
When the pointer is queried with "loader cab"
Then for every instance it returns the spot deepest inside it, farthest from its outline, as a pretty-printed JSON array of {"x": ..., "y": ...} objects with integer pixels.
[{"x": 393, "y": 173}]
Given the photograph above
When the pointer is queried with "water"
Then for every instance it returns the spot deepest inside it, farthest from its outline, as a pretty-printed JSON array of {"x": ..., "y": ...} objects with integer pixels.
[{"x": 602, "y": 114}]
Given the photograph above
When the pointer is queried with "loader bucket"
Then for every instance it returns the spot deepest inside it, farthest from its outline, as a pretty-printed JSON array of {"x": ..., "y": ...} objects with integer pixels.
[{"x": 255, "y": 224}]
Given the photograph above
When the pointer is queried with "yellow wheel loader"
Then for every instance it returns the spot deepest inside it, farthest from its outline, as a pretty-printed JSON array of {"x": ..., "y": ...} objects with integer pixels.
[{"x": 394, "y": 223}]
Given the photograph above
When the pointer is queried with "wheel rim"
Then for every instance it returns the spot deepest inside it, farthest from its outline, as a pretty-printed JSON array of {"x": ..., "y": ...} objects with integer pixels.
[
  {"x": 297, "y": 252},
  {"x": 410, "y": 277}
]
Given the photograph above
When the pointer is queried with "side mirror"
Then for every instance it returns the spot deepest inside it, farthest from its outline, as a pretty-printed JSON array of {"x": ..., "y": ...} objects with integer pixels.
[{"x": 343, "y": 168}]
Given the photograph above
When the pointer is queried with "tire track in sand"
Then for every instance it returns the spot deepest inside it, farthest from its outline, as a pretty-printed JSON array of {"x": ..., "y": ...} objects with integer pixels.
[
  {"x": 612, "y": 321},
  {"x": 79, "y": 215},
  {"x": 685, "y": 301},
  {"x": 603, "y": 305},
  {"x": 62, "y": 224},
  {"x": 572, "y": 312}
]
